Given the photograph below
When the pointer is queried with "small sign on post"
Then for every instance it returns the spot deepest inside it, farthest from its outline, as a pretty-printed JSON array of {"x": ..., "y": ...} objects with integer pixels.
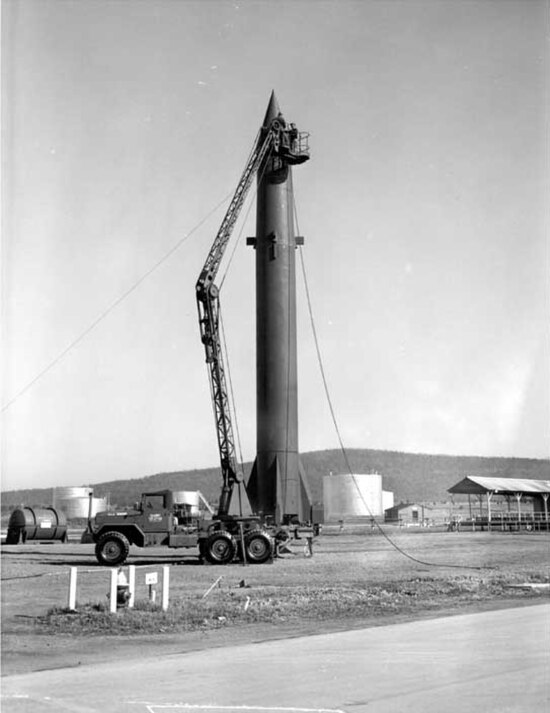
[{"x": 151, "y": 578}]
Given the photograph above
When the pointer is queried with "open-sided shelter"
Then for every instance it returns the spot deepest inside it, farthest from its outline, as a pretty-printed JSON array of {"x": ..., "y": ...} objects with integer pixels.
[{"x": 538, "y": 491}]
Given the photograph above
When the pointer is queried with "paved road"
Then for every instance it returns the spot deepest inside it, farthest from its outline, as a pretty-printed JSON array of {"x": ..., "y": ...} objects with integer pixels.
[{"x": 495, "y": 662}]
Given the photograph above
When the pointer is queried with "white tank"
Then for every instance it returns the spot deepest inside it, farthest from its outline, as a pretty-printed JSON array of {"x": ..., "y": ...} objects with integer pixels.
[
  {"x": 387, "y": 500},
  {"x": 188, "y": 497},
  {"x": 71, "y": 492},
  {"x": 347, "y": 496},
  {"x": 79, "y": 506}
]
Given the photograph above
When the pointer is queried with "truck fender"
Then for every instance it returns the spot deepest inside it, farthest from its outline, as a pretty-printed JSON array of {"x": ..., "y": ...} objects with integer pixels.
[{"x": 132, "y": 533}]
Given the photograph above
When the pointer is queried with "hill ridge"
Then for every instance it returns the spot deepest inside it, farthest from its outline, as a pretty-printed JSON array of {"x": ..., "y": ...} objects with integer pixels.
[{"x": 410, "y": 476}]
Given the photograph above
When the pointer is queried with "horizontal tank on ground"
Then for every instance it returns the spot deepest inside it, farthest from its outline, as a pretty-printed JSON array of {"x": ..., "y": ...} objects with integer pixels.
[
  {"x": 355, "y": 495},
  {"x": 36, "y": 524}
]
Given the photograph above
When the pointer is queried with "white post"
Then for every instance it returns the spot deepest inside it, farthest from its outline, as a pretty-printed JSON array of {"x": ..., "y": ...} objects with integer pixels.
[
  {"x": 113, "y": 593},
  {"x": 165, "y": 586},
  {"x": 518, "y": 498},
  {"x": 132, "y": 585},
  {"x": 72, "y": 588}
]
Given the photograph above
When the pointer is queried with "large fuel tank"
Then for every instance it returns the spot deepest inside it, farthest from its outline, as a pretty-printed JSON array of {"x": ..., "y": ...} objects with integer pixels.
[
  {"x": 36, "y": 524},
  {"x": 187, "y": 497},
  {"x": 349, "y": 496}
]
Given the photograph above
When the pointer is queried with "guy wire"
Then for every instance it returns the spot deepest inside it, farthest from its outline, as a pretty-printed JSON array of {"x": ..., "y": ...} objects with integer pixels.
[{"x": 115, "y": 304}]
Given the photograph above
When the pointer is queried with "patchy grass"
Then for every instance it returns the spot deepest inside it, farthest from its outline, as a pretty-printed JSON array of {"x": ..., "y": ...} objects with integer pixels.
[
  {"x": 228, "y": 607},
  {"x": 352, "y": 581}
]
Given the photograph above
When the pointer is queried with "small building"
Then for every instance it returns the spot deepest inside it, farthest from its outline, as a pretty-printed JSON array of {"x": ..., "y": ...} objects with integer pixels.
[{"x": 407, "y": 514}]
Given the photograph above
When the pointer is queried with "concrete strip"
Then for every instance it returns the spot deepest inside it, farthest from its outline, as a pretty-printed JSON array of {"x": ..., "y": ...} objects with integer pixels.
[{"x": 495, "y": 662}]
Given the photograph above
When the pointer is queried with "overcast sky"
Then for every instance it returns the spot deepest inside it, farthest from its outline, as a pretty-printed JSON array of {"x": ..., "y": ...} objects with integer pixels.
[{"x": 424, "y": 211}]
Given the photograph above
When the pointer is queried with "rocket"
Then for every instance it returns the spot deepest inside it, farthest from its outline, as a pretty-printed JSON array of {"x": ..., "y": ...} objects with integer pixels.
[{"x": 277, "y": 486}]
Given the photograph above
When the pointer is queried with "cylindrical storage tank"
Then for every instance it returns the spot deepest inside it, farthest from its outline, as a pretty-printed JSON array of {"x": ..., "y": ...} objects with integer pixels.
[
  {"x": 188, "y": 497},
  {"x": 36, "y": 524},
  {"x": 387, "y": 500},
  {"x": 72, "y": 492},
  {"x": 74, "y": 507},
  {"x": 349, "y": 496},
  {"x": 78, "y": 507},
  {"x": 98, "y": 505}
]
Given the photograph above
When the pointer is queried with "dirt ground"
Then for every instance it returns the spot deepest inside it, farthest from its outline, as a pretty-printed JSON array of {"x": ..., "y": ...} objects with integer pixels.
[{"x": 35, "y": 580}]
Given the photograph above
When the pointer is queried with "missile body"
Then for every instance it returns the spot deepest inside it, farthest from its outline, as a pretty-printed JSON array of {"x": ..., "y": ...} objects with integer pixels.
[{"x": 277, "y": 486}]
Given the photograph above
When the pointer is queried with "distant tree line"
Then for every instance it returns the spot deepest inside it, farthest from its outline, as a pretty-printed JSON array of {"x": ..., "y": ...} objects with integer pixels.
[{"x": 412, "y": 477}]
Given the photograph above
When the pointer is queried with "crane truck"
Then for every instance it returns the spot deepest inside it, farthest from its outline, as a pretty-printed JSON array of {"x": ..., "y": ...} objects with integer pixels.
[{"x": 233, "y": 532}]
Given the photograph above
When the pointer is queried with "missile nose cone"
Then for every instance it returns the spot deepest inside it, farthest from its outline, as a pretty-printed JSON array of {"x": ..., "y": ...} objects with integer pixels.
[{"x": 273, "y": 109}]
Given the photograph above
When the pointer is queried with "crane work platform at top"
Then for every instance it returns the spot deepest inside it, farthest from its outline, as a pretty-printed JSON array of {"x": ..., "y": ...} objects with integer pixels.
[{"x": 277, "y": 140}]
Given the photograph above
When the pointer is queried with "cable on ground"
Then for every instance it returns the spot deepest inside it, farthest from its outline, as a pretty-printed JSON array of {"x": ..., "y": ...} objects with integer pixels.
[{"x": 341, "y": 443}]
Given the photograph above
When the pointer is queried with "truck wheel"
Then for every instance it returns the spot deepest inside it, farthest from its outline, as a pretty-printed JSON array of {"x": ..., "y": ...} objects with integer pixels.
[
  {"x": 112, "y": 549},
  {"x": 219, "y": 548},
  {"x": 258, "y": 548}
]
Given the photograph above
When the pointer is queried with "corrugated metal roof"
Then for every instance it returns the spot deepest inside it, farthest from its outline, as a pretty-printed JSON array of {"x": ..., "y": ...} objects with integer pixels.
[
  {"x": 474, "y": 485},
  {"x": 402, "y": 506}
]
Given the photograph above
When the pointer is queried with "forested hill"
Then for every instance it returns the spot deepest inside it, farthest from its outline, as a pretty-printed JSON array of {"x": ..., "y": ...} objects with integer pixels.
[{"x": 410, "y": 476}]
